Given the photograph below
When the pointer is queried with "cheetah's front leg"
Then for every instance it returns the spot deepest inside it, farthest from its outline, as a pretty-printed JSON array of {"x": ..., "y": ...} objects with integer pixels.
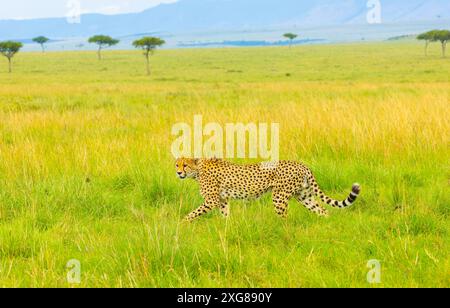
[{"x": 211, "y": 202}]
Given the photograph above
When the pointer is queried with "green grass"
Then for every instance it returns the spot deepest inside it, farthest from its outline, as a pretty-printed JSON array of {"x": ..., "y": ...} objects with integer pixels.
[{"x": 86, "y": 171}]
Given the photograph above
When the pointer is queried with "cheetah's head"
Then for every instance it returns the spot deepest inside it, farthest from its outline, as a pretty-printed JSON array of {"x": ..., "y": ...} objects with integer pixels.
[{"x": 187, "y": 168}]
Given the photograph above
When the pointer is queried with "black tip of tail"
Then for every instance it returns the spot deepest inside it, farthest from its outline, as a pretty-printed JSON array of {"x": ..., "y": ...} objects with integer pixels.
[{"x": 356, "y": 189}]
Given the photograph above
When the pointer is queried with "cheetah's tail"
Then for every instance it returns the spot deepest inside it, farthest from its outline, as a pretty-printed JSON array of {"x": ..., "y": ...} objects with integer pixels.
[{"x": 356, "y": 189}]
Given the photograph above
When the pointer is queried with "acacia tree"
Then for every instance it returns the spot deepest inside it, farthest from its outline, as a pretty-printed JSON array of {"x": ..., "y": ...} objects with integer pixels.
[
  {"x": 442, "y": 36},
  {"x": 148, "y": 44},
  {"x": 427, "y": 37},
  {"x": 9, "y": 49},
  {"x": 41, "y": 40},
  {"x": 103, "y": 41},
  {"x": 291, "y": 37}
]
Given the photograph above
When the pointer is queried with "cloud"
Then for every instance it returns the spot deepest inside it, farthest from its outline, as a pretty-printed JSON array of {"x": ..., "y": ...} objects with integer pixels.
[
  {"x": 119, "y": 6},
  {"x": 107, "y": 10},
  {"x": 26, "y": 9}
]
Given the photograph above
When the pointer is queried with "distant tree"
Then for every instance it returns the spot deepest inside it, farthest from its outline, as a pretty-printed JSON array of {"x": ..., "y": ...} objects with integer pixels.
[
  {"x": 41, "y": 40},
  {"x": 291, "y": 37},
  {"x": 427, "y": 38},
  {"x": 442, "y": 36},
  {"x": 148, "y": 44},
  {"x": 9, "y": 49},
  {"x": 103, "y": 41}
]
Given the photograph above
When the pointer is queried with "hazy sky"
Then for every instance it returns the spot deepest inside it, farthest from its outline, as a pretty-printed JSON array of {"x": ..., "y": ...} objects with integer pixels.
[{"x": 24, "y": 9}]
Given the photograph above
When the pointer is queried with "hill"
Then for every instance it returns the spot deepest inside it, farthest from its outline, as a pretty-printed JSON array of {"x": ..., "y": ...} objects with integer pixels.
[{"x": 187, "y": 16}]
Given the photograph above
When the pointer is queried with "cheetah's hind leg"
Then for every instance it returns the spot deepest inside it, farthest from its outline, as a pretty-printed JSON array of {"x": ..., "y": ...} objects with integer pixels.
[
  {"x": 280, "y": 202},
  {"x": 311, "y": 204},
  {"x": 224, "y": 208}
]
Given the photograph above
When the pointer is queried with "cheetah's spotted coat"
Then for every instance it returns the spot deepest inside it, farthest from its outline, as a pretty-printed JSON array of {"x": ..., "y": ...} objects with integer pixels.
[{"x": 221, "y": 181}]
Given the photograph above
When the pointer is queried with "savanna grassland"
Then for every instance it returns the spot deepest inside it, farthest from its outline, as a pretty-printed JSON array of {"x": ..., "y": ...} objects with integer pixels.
[{"x": 86, "y": 170}]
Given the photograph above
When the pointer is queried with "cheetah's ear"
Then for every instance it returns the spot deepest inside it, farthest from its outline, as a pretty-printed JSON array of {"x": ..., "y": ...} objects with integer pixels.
[{"x": 196, "y": 161}]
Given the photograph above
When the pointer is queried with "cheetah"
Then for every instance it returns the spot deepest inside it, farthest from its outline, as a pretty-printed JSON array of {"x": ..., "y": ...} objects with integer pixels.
[{"x": 221, "y": 181}]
